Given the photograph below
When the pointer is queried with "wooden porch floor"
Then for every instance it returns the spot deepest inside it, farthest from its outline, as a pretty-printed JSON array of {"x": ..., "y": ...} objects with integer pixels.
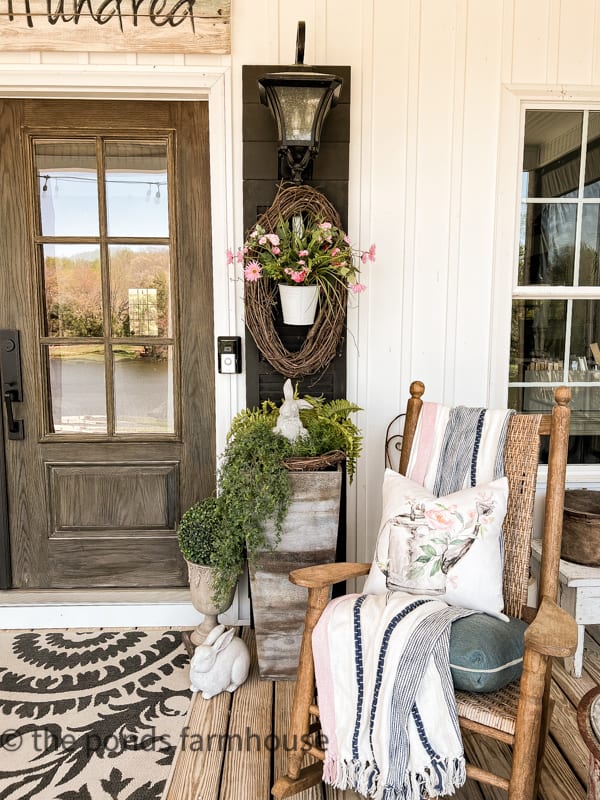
[{"x": 230, "y": 752}]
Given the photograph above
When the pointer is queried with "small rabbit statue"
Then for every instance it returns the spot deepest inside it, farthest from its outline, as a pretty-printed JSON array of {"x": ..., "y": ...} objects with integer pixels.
[
  {"x": 221, "y": 663},
  {"x": 288, "y": 422}
]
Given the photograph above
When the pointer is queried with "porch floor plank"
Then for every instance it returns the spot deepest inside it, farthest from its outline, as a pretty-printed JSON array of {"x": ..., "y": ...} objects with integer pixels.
[
  {"x": 198, "y": 761},
  {"x": 247, "y": 769},
  {"x": 262, "y": 708}
]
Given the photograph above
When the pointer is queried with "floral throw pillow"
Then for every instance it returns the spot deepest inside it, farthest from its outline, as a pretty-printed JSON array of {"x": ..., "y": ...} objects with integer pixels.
[{"x": 449, "y": 547}]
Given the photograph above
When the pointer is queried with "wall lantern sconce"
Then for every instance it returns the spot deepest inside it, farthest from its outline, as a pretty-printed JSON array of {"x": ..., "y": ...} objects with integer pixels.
[{"x": 300, "y": 101}]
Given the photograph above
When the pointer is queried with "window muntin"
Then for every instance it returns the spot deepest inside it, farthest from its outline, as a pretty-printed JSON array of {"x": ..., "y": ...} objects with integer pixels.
[{"x": 556, "y": 300}]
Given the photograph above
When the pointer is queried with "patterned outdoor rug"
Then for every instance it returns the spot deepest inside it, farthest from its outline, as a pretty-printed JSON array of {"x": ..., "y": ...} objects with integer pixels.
[{"x": 90, "y": 715}]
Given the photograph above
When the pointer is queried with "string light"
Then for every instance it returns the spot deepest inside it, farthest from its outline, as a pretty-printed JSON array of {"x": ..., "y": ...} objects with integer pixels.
[{"x": 80, "y": 179}]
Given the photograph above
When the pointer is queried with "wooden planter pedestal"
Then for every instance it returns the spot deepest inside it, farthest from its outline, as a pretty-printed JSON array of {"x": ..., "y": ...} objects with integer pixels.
[{"x": 309, "y": 537}]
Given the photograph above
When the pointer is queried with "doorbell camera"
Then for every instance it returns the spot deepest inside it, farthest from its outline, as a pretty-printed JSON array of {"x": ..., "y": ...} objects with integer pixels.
[{"x": 229, "y": 352}]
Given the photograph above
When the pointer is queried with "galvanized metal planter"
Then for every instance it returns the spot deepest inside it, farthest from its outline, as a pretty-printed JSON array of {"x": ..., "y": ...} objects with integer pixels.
[{"x": 309, "y": 537}]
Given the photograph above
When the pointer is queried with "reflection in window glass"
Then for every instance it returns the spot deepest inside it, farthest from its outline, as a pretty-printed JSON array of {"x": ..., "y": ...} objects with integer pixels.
[
  {"x": 143, "y": 389},
  {"x": 552, "y": 153},
  {"x": 592, "y": 160},
  {"x": 72, "y": 290},
  {"x": 136, "y": 189},
  {"x": 67, "y": 187},
  {"x": 589, "y": 254},
  {"x": 537, "y": 339},
  {"x": 77, "y": 394},
  {"x": 140, "y": 290},
  {"x": 585, "y": 341},
  {"x": 547, "y": 244}
]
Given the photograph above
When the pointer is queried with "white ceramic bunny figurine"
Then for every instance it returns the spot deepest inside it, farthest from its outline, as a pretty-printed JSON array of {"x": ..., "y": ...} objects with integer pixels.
[
  {"x": 221, "y": 663},
  {"x": 288, "y": 421}
]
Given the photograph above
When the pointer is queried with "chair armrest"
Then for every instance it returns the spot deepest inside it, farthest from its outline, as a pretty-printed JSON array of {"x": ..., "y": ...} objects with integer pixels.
[
  {"x": 322, "y": 575},
  {"x": 553, "y": 632}
]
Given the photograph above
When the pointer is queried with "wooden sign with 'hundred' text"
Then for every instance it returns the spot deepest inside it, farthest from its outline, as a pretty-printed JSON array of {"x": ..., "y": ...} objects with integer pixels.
[{"x": 162, "y": 26}]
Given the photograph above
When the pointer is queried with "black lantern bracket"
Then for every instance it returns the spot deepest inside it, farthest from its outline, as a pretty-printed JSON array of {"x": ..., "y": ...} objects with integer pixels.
[{"x": 300, "y": 100}]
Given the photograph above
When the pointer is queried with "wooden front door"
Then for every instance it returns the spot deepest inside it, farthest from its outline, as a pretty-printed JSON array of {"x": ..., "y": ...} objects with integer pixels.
[{"x": 105, "y": 270}]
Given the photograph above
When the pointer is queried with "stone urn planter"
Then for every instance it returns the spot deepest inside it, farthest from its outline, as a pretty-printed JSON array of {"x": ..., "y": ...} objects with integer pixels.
[
  {"x": 309, "y": 537},
  {"x": 201, "y": 589}
]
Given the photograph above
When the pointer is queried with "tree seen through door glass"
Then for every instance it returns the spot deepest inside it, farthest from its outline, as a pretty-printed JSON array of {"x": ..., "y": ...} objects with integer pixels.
[
  {"x": 140, "y": 290},
  {"x": 73, "y": 290}
]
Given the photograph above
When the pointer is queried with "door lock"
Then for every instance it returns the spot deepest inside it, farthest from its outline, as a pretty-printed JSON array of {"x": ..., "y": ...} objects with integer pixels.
[{"x": 10, "y": 373}]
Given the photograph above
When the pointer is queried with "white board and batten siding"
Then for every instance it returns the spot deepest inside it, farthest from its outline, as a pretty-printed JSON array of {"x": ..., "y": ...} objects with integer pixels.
[{"x": 438, "y": 88}]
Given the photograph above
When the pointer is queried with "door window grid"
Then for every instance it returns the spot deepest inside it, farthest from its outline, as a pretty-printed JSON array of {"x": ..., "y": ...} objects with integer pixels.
[
  {"x": 570, "y": 303},
  {"x": 135, "y": 405}
]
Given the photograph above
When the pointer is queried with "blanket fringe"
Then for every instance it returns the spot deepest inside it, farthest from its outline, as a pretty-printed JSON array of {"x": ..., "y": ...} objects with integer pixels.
[
  {"x": 450, "y": 775},
  {"x": 363, "y": 778}
]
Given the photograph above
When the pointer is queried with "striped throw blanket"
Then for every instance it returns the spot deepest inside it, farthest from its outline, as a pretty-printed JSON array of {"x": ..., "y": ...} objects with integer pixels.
[
  {"x": 386, "y": 699},
  {"x": 458, "y": 447}
]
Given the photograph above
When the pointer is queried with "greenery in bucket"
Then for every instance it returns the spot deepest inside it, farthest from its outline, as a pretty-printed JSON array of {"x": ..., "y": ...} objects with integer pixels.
[{"x": 253, "y": 483}]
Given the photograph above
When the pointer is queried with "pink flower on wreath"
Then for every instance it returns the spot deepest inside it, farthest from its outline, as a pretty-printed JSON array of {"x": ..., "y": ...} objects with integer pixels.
[
  {"x": 302, "y": 252},
  {"x": 372, "y": 251},
  {"x": 262, "y": 240},
  {"x": 275, "y": 250},
  {"x": 335, "y": 251},
  {"x": 440, "y": 519},
  {"x": 363, "y": 257},
  {"x": 357, "y": 288},
  {"x": 273, "y": 238},
  {"x": 229, "y": 254},
  {"x": 301, "y": 262},
  {"x": 346, "y": 238},
  {"x": 252, "y": 271},
  {"x": 325, "y": 226},
  {"x": 240, "y": 255},
  {"x": 298, "y": 277}
]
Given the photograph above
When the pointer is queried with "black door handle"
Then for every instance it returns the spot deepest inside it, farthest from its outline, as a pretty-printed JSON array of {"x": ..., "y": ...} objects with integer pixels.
[{"x": 14, "y": 426}]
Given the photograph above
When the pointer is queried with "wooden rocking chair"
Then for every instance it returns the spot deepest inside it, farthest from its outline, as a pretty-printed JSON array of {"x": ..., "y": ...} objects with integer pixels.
[{"x": 519, "y": 714}]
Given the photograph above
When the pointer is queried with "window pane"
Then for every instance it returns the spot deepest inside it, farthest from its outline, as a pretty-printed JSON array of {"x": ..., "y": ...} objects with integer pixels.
[
  {"x": 537, "y": 338},
  {"x": 136, "y": 189},
  {"x": 67, "y": 188},
  {"x": 140, "y": 290},
  {"x": 143, "y": 389},
  {"x": 77, "y": 395},
  {"x": 592, "y": 159},
  {"x": 589, "y": 272},
  {"x": 73, "y": 290},
  {"x": 547, "y": 244},
  {"x": 552, "y": 153},
  {"x": 585, "y": 333}
]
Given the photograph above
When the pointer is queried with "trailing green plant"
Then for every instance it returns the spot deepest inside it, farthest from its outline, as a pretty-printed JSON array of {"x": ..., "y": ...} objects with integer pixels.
[{"x": 253, "y": 484}]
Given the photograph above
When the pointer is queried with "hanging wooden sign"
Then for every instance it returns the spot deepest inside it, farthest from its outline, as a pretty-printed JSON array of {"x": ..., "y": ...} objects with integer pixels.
[{"x": 161, "y": 26}]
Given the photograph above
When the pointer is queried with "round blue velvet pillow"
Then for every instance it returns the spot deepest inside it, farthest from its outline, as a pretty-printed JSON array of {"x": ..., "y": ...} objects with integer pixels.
[{"x": 486, "y": 653}]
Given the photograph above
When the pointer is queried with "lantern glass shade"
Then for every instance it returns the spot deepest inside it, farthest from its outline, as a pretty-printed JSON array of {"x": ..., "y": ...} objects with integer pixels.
[{"x": 299, "y": 102}]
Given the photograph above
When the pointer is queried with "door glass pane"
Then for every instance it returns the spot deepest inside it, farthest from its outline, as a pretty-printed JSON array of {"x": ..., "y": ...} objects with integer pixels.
[
  {"x": 143, "y": 389},
  {"x": 547, "y": 244},
  {"x": 136, "y": 189},
  {"x": 77, "y": 394},
  {"x": 72, "y": 290},
  {"x": 67, "y": 187},
  {"x": 552, "y": 154},
  {"x": 140, "y": 290},
  {"x": 589, "y": 254},
  {"x": 537, "y": 339}
]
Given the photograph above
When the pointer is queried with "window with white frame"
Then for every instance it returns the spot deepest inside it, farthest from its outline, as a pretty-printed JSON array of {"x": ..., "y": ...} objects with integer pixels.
[{"x": 555, "y": 328}]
